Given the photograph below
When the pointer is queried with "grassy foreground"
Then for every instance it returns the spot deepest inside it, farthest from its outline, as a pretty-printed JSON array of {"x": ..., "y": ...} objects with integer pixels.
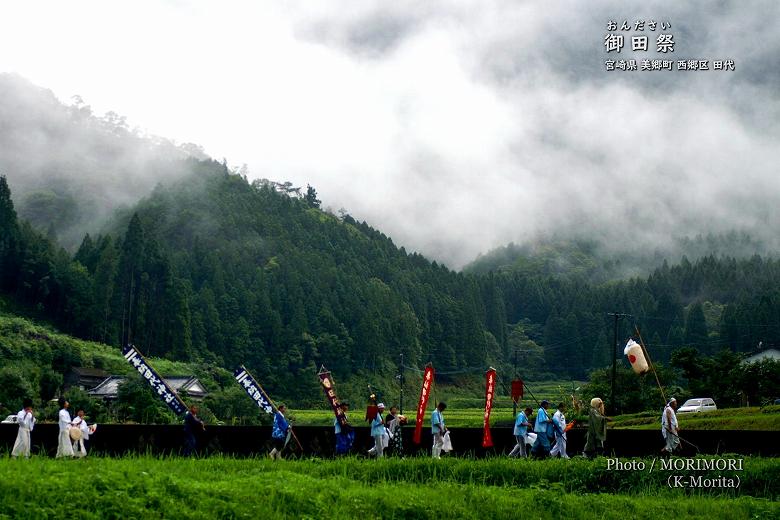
[{"x": 145, "y": 487}]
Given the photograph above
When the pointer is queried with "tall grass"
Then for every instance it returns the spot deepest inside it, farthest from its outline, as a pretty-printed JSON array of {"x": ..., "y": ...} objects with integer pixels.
[{"x": 147, "y": 487}]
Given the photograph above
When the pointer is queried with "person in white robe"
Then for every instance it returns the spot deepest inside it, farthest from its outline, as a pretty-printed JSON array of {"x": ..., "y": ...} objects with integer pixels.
[
  {"x": 669, "y": 427},
  {"x": 64, "y": 446},
  {"x": 559, "y": 424},
  {"x": 79, "y": 446},
  {"x": 26, "y": 421}
]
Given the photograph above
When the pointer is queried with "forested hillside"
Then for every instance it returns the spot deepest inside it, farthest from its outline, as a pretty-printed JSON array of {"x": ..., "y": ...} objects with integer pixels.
[
  {"x": 219, "y": 269},
  {"x": 216, "y": 268},
  {"x": 598, "y": 262},
  {"x": 210, "y": 267},
  {"x": 71, "y": 168}
]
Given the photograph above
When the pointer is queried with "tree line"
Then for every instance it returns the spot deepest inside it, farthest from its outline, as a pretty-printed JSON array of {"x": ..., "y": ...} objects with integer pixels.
[{"x": 227, "y": 271}]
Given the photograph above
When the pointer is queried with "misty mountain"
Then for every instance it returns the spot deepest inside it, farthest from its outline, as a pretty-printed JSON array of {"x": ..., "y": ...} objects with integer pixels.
[
  {"x": 597, "y": 262},
  {"x": 69, "y": 168},
  {"x": 210, "y": 266}
]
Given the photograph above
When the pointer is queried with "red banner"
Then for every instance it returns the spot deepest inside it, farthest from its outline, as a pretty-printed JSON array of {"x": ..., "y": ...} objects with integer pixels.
[
  {"x": 517, "y": 390},
  {"x": 490, "y": 387},
  {"x": 425, "y": 393},
  {"x": 330, "y": 392}
]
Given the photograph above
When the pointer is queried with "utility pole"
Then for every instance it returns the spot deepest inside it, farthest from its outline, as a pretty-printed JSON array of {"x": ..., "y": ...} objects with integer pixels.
[
  {"x": 401, "y": 382},
  {"x": 514, "y": 403},
  {"x": 617, "y": 317}
]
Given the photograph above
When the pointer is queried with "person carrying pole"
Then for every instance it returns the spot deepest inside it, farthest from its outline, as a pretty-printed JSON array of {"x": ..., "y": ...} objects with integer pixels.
[
  {"x": 279, "y": 433},
  {"x": 345, "y": 435},
  {"x": 193, "y": 426},
  {"x": 669, "y": 427}
]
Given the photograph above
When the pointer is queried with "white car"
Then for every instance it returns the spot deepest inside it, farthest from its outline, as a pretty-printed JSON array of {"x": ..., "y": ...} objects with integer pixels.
[
  {"x": 11, "y": 419},
  {"x": 699, "y": 404}
]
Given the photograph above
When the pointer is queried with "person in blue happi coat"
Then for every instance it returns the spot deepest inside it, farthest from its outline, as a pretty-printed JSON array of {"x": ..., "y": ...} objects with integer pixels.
[
  {"x": 522, "y": 422},
  {"x": 345, "y": 435},
  {"x": 544, "y": 431},
  {"x": 438, "y": 429},
  {"x": 279, "y": 433}
]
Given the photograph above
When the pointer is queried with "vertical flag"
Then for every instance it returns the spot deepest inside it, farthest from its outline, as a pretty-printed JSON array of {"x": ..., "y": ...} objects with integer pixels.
[
  {"x": 326, "y": 380},
  {"x": 158, "y": 384},
  {"x": 517, "y": 390},
  {"x": 490, "y": 387},
  {"x": 425, "y": 393},
  {"x": 253, "y": 388}
]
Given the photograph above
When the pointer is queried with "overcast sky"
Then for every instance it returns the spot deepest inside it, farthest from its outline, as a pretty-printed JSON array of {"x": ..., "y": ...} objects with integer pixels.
[{"x": 454, "y": 127}]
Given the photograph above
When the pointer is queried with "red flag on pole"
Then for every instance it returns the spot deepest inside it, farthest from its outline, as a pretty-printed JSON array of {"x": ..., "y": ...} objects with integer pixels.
[
  {"x": 517, "y": 390},
  {"x": 490, "y": 387},
  {"x": 425, "y": 393}
]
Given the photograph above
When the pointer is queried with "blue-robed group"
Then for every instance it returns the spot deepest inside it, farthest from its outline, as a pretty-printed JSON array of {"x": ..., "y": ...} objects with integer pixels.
[
  {"x": 550, "y": 432},
  {"x": 546, "y": 434}
]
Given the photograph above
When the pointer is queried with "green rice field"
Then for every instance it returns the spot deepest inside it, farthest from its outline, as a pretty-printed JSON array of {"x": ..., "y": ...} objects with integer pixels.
[
  {"x": 753, "y": 418},
  {"x": 147, "y": 487}
]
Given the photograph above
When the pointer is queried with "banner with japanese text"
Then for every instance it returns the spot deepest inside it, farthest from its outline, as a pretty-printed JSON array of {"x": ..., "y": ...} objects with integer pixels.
[
  {"x": 328, "y": 386},
  {"x": 425, "y": 393},
  {"x": 253, "y": 388},
  {"x": 158, "y": 384},
  {"x": 490, "y": 387}
]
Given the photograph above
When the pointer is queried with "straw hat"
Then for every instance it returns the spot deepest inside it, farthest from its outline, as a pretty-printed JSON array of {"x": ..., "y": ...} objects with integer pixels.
[{"x": 75, "y": 434}]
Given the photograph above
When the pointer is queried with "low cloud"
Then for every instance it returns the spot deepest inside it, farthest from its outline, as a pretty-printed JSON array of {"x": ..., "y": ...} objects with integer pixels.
[{"x": 457, "y": 127}]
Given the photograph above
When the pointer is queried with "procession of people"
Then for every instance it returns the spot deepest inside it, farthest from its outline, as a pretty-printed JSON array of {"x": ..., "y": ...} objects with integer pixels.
[
  {"x": 548, "y": 432},
  {"x": 386, "y": 431}
]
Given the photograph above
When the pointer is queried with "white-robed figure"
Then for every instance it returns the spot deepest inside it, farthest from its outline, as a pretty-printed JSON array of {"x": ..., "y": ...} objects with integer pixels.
[
  {"x": 79, "y": 447},
  {"x": 378, "y": 432},
  {"x": 559, "y": 426},
  {"x": 669, "y": 427},
  {"x": 64, "y": 446},
  {"x": 26, "y": 421}
]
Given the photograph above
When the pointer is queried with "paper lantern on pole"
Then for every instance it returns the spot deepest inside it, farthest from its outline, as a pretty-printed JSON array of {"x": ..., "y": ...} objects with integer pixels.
[{"x": 636, "y": 357}]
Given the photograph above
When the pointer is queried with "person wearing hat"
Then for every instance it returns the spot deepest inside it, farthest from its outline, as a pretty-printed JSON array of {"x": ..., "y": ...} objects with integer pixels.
[
  {"x": 64, "y": 446},
  {"x": 79, "y": 446},
  {"x": 378, "y": 432},
  {"x": 345, "y": 435},
  {"x": 543, "y": 429},
  {"x": 669, "y": 427},
  {"x": 597, "y": 429},
  {"x": 279, "y": 434},
  {"x": 26, "y": 421}
]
